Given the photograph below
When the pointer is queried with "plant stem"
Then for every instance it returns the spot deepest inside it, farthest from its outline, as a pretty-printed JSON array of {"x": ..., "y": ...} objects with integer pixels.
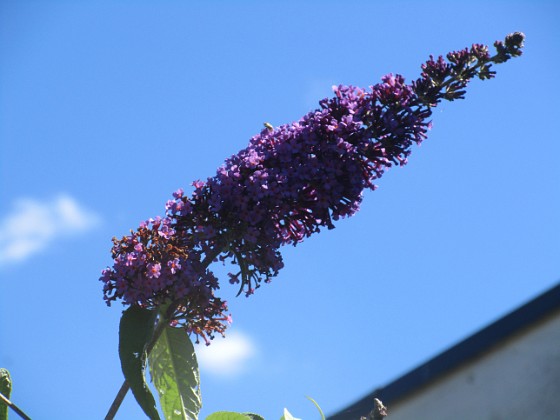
[
  {"x": 118, "y": 401},
  {"x": 14, "y": 407}
]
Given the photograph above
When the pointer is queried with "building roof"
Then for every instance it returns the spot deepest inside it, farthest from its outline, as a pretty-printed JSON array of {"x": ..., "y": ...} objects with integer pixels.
[{"x": 470, "y": 348}]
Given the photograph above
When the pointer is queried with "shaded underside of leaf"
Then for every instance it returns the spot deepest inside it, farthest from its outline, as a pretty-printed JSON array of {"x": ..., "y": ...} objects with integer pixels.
[
  {"x": 136, "y": 329},
  {"x": 174, "y": 371}
]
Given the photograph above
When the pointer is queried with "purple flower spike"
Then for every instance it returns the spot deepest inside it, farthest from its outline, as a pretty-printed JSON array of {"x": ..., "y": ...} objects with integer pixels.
[{"x": 287, "y": 184}]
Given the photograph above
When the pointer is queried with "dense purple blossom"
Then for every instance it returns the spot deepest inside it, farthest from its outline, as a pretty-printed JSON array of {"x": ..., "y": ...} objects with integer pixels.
[
  {"x": 152, "y": 267},
  {"x": 289, "y": 183}
]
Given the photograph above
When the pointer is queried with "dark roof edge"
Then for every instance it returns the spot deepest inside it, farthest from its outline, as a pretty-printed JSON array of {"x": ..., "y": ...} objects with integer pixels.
[{"x": 455, "y": 356}]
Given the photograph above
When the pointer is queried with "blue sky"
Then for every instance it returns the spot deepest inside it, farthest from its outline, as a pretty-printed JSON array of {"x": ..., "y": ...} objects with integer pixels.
[{"x": 107, "y": 107}]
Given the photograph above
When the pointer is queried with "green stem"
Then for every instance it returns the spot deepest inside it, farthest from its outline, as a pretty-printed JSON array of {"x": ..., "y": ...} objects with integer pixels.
[
  {"x": 478, "y": 65},
  {"x": 14, "y": 407}
]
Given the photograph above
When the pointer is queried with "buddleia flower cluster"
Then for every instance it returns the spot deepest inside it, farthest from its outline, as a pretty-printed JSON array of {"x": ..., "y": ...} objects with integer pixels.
[{"x": 289, "y": 183}]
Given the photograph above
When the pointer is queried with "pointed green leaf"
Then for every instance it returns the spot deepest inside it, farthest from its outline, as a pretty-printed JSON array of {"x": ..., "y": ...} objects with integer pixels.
[
  {"x": 228, "y": 415},
  {"x": 5, "y": 390},
  {"x": 136, "y": 329},
  {"x": 318, "y": 408},
  {"x": 174, "y": 371},
  {"x": 288, "y": 416}
]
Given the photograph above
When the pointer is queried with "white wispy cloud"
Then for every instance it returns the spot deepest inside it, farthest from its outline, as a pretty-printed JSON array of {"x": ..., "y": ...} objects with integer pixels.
[
  {"x": 227, "y": 356},
  {"x": 33, "y": 225}
]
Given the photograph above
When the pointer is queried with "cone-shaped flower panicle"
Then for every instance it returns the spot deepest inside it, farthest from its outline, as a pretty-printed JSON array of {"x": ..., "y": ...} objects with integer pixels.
[{"x": 289, "y": 182}]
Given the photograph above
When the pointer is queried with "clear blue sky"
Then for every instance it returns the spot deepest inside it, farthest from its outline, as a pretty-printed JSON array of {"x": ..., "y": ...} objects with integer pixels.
[{"x": 107, "y": 107}]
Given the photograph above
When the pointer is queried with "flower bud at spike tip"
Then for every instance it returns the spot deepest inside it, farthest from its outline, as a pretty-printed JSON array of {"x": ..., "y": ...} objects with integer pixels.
[
  {"x": 515, "y": 40},
  {"x": 289, "y": 183}
]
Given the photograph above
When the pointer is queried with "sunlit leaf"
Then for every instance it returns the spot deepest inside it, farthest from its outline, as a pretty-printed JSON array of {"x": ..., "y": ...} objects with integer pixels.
[
  {"x": 228, "y": 415},
  {"x": 174, "y": 371},
  {"x": 288, "y": 416}
]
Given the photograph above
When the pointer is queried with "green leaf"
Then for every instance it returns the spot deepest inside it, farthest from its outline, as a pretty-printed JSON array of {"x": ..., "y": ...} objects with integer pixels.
[
  {"x": 6, "y": 391},
  {"x": 229, "y": 415},
  {"x": 254, "y": 416},
  {"x": 174, "y": 371},
  {"x": 136, "y": 329},
  {"x": 318, "y": 408},
  {"x": 287, "y": 416}
]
